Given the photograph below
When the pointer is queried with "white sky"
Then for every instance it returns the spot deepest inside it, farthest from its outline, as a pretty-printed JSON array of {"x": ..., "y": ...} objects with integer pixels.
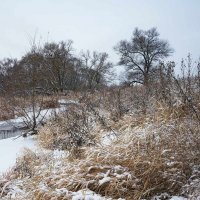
[{"x": 98, "y": 24}]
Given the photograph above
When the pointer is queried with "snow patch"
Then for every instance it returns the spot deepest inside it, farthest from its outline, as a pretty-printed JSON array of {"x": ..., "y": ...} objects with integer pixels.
[
  {"x": 10, "y": 148},
  {"x": 87, "y": 195}
]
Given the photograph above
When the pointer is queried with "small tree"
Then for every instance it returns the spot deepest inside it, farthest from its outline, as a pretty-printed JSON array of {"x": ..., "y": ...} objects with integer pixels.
[
  {"x": 142, "y": 54},
  {"x": 23, "y": 92}
]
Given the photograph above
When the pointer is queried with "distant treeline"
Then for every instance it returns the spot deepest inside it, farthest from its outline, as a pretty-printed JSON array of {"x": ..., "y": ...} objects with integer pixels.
[{"x": 54, "y": 68}]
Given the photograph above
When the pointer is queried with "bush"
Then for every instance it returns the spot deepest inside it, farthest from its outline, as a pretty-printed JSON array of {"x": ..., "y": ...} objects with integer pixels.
[{"x": 67, "y": 131}]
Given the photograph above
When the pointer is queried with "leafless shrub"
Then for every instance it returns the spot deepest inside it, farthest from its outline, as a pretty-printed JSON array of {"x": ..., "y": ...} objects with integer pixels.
[{"x": 69, "y": 130}]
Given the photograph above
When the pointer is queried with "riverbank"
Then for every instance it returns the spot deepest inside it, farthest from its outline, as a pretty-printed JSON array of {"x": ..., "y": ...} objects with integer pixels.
[{"x": 11, "y": 148}]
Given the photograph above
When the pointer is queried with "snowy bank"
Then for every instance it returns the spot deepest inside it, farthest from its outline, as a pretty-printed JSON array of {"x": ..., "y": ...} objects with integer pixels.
[{"x": 10, "y": 148}]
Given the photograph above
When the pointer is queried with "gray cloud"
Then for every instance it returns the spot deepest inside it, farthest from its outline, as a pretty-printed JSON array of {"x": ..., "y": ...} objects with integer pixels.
[{"x": 98, "y": 25}]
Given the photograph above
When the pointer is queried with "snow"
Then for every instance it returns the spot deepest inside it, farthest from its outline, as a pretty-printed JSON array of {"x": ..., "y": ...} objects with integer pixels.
[
  {"x": 104, "y": 180},
  {"x": 166, "y": 196},
  {"x": 15, "y": 189},
  {"x": 108, "y": 138},
  {"x": 64, "y": 101},
  {"x": 10, "y": 148},
  {"x": 178, "y": 198},
  {"x": 86, "y": 195},
  {"x": 19, "y": 121}
]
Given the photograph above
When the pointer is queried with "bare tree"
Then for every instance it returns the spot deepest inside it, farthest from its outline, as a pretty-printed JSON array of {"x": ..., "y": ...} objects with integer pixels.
[
  {"x": 142, "y": 54},
  {"x": 6, "y": 65},
  {"x": 23, "y": 89},
  {"x": 96, "y": 68},
  {"x": 58, "y": 64}
]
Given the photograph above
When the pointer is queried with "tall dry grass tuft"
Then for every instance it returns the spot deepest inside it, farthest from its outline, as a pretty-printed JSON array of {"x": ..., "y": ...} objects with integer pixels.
[
  {"x": 67, "y": 131},
  {"x": 25, "y": 164}
]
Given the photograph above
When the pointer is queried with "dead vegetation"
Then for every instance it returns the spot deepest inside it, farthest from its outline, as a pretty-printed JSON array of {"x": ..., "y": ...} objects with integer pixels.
[
  {"x": 68, "y": 131},
  {"x": 155, "y": 148},
  {"x": 6, "y": 111},
  {"x": 149, "y": 156}
]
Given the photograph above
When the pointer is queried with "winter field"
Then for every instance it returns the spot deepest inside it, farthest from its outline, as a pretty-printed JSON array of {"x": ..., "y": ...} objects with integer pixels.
[
  {"x": 12, "y": 148},
  {"x": 133, "y": 157},
  {"x": 69, "y": 131}
]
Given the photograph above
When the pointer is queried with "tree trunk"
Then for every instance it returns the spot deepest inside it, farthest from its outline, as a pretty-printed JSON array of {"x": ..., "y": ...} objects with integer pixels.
[{"x": 146, "y": 80}]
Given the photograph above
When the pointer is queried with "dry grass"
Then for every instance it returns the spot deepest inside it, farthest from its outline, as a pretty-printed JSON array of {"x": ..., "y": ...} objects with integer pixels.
[
  {"x": 50, "y": 102},
  {"x": 67, "y": 131},
  {"x": 6, "y": 111},
  {"x": 140, "y": 163},
  {"x": 152, "y": 153}
]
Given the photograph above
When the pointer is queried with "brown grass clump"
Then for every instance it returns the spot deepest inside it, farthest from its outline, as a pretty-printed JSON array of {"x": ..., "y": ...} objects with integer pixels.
[
  {"x": 50, "y": 102},
  {"x": 3, "y": 185},
  {"x": 161, "y": 161},
  {"x": 69, "y": 130},
  {"x": 6, "y": 111},
  {"x": 25, "y": 164}
]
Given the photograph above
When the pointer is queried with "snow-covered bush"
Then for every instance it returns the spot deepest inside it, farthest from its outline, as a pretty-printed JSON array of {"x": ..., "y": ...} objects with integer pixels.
[{"x": 67, "y": 131}]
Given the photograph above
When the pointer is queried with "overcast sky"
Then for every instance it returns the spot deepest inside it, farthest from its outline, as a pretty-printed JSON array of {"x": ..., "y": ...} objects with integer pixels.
[{"x": 98, "y": 24}]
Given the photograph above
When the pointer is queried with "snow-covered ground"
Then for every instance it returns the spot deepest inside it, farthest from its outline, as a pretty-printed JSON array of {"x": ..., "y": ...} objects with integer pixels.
[
  {"x": 19, "y": 121},
  {"x": 10, "y": 148},
  {"x": 44, "y": 114}
]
